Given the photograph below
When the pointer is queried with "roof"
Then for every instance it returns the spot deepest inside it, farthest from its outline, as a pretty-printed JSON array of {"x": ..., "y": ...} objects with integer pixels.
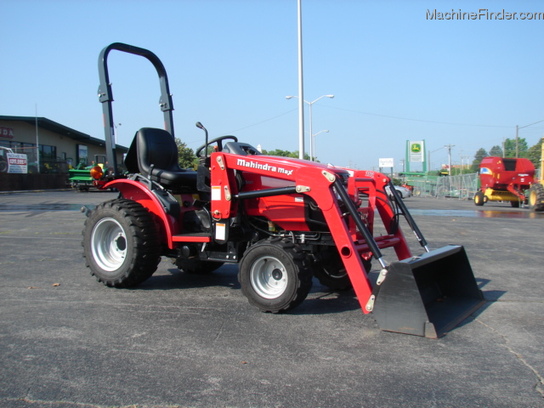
[{"x": 56, "y": 127}]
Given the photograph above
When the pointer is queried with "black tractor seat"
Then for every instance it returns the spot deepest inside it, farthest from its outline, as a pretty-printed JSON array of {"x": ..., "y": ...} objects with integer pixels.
[{"x": 154, "y": 154}]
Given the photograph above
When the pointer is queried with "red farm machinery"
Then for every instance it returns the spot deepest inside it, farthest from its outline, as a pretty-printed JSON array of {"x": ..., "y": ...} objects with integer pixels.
[
  {"x": 283, "y": 220},
  {"x": 536, "y": 192},
  {"x": 505, "y": 179}
]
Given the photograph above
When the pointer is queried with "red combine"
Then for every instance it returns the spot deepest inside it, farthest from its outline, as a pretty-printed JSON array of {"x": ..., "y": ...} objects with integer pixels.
[
  {"x": 282, "y": 220},
  {"x": 504, "y": 179}
]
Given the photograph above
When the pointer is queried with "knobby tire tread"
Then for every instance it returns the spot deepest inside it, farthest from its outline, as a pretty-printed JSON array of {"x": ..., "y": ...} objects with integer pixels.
[
  {"x": 303, "y": 272},
  {"x": 538, "y": 191},
  {"x": 146, "y": 243}
]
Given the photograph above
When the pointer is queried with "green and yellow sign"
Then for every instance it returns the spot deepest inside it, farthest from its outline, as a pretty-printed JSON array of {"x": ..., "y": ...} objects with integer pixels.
[
  {"x": 415, "y": 148},
  {"x": 417, "y": 151}
]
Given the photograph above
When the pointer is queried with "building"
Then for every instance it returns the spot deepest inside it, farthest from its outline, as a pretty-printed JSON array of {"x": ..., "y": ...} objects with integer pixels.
[
  {"x": 51, "y": 148},
  {"x": 58, "y": 145}
]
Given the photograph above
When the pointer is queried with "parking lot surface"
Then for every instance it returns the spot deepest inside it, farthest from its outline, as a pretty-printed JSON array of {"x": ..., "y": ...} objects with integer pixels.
[{"x": 182, "y": 340}]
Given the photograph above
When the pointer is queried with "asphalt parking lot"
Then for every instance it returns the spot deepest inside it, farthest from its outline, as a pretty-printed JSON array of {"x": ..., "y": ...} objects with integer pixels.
[{"x": 182, "y": 340}]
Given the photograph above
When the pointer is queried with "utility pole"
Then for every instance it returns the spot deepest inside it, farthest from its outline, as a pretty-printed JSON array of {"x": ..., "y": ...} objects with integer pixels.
[
  {"x": 449, "y": 157},
  {"x": 37, "y": 140},
  {"x": 517, "y": 141}
]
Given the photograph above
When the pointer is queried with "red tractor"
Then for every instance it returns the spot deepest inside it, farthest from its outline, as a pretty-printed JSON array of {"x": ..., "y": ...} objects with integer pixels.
[
  {"x": 283, "y": 220},
  {"x": 504, "y": 179}
]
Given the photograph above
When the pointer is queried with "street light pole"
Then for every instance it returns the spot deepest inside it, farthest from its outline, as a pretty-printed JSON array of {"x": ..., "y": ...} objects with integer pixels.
[
  {"x": 310, "y": 104},
  {"x": 300, "y": 86},
  {"x": 429, "y": 154},
  {"x": 312, "y": 144}
]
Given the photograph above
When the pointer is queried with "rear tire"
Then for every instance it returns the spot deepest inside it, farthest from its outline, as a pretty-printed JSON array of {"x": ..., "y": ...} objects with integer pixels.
[
  {"x": 120, "y": 243},
  {"x": 274, "y": 275},
  {"x": 330, "y": 271},
  {"x": 479, "y": 198},
  {"x": 333, "y": 276},
  {"x": 536, "y": 197}
]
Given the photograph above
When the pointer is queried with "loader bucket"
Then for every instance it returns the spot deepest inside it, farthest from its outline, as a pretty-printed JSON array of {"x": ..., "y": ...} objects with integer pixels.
[{"x": 428, "y": 295}]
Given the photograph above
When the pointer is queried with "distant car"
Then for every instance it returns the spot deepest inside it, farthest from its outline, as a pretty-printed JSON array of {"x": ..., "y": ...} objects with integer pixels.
[{"x": 404, "y": 192}]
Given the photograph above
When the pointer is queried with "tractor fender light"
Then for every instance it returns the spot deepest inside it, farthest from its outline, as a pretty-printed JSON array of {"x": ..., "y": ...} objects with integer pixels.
[{"x": 97, "y": 172}]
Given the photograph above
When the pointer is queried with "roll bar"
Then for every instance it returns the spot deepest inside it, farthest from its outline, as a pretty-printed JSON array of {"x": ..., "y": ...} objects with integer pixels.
[{"x": 105, "y": 95}]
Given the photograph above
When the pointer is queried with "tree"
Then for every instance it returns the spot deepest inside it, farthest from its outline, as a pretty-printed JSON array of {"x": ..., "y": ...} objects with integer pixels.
[
  {"x": 534, "y": 153},
  {"x": 186, "y": 155},
  {"x": 478, "y": 157},
  {"x": 285, "y": 153},
  {"x": 495, "y": 151},
  {"x": 510, "y": 147}
]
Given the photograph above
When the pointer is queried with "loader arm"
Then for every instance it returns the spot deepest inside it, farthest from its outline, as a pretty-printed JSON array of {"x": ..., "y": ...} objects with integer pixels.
[
  {"x": 424, "y": 295},
  {"x": 373, "y": 184},
  {"x": 351, "y": 237}
]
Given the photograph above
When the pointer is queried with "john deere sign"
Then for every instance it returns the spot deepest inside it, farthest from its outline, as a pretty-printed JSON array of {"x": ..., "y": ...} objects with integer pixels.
[{"x": 415, "y": 153}]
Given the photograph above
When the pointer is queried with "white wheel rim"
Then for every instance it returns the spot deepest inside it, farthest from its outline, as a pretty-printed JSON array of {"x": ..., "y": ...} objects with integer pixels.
[
  {"x": 268, "y": 277},
  {"x": 109, "y": 244}
]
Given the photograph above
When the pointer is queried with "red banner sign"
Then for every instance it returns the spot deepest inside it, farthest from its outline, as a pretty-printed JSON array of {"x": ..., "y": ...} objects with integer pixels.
[{"x": 6, "y": 132}]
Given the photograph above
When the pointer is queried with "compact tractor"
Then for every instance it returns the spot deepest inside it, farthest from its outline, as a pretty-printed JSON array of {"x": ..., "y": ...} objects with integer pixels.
[{"x": 284, "y": 221}]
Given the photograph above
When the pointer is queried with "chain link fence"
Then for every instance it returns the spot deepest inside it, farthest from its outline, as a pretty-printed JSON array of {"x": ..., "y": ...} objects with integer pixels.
[{"x": 463, "y": 186}]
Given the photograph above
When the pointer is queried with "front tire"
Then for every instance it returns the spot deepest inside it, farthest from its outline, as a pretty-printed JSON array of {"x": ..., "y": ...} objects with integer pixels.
[
  {"x": 479, "y": 198},
  {"x": 120, "y": 243},
  {"x": 274, "y": 276}
]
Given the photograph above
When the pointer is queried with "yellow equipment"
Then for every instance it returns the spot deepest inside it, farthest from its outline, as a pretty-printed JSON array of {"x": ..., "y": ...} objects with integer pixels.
[{"x": 536, "y": 192}]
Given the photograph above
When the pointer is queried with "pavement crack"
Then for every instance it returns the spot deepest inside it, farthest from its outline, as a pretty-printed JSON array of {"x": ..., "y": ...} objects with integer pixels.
[
  {"x": 539, "y": 385},
  {"x": 45, "y": 403},
  {"x": 219, "y": 332}
]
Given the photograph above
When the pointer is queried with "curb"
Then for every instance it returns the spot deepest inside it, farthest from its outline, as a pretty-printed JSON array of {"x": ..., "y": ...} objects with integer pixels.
[{"x": 35, "y": 191}]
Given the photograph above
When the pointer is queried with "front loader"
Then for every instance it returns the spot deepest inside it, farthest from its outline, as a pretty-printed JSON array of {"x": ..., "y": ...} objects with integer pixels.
[{"x": 284, "y": 221}]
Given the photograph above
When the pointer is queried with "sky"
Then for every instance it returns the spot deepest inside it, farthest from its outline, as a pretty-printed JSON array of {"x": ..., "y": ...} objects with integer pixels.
[{"x": 395, "y": 73}]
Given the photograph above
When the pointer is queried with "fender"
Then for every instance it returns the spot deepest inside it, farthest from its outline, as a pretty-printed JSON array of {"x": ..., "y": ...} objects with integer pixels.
[{"x": 136, "y": 191}]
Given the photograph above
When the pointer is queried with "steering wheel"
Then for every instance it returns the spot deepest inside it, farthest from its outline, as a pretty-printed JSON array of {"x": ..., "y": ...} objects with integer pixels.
[{"x": 218, "y": 140}]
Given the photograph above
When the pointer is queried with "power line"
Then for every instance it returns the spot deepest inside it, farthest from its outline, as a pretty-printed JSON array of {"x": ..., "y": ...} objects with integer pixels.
[
  {"x": 417, "y": 120},
  {"x": 263, "y": 121},
  {"x": 382, "y": 116}
]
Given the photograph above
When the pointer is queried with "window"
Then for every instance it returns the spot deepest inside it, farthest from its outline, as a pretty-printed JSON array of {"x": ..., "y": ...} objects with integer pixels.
[
  {"x": 48, "y": 152},
  {"x": 82, "y": 154}
]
